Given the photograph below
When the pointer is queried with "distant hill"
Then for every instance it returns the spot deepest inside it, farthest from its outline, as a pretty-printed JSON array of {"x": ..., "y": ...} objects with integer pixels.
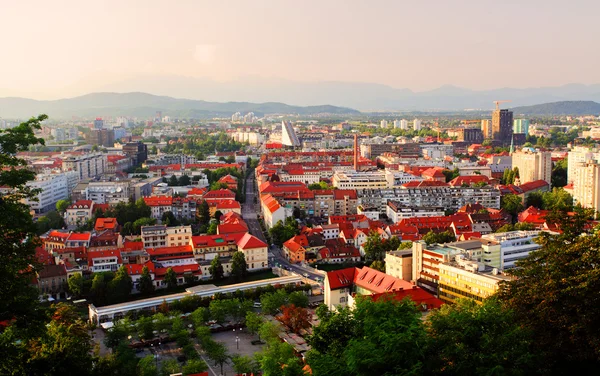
[
  {"x": 560, "y": 108},
  {"x": 144, "y": 105}
]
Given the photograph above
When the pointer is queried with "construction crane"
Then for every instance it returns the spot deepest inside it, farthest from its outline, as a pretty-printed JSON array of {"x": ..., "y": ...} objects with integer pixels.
[{"x": 498, "y": 104}]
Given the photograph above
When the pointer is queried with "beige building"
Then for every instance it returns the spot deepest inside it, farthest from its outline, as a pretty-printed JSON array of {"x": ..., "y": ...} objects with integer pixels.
[
  {"x": 359, "y": 180},
  {"x": 580, "y": 154},
  {"x": 87, "y": 165},
  {"x": 586, "y": 184},
  {"x": 178, "y": 235},
  {"x": 486, "y": 128},
  {"x": 533, "y": 166},
  {"x": 398, "y": 264}
]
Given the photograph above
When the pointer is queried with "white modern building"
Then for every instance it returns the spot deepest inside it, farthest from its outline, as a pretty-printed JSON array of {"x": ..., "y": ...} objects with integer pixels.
[
  {"x": 88, "y": 166},
  {"x": 586, "y": 184},
  {"x": 417, "y": 125},
  {"x": 288, "y": 135},
  {"x": 514, "y": 246},
  {"x": 53, "y": 187},
  {"x": 533, "y": 166}
]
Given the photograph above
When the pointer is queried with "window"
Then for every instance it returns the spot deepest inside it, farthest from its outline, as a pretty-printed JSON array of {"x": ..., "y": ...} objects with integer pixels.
[{"x": 343, "y": 299}]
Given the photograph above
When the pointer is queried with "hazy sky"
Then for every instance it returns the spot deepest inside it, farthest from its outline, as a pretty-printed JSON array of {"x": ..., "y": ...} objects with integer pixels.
[{"x": 51, "y": 49}]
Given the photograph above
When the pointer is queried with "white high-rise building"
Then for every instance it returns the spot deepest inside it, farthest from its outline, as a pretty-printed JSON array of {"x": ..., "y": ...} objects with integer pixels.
[
  {"x": 580, "y": 154},
  {"x": 404, "y": 124},
  {"x": 383, "y": 124},
  {"x": 533, "y": 166},
  {"x": 417, "y": 125},
  {"x": 396, "y": 123},
  {"x": 53, "y": 187},
  {"x": 586, "y": 186},
  {"x": 288, "y": 134},
  {"x": 88, "y": 165}
]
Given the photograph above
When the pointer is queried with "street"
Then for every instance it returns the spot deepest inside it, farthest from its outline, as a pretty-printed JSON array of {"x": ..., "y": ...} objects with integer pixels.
[{"x": 249, "y": 213}]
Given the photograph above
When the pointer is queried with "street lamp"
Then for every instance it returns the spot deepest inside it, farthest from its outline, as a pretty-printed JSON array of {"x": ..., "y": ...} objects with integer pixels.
[{"x": 237, "y": 339}]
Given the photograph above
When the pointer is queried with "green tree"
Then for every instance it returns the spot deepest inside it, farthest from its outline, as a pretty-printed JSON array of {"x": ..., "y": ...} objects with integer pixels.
[
  {"x": 147, "y": 366},
  {"x": 557, "y": 199},
  {"x": 218, "y": 215},
  {"x": 378, "y": 265},
  {"x": 145, "y": 221},
  {"x": 168, "y": 218},
  {"x": 253, "y": 322},
  {"x": 99, "y": 290},
  {"x": 451, "y": 174},
  {"x": 170, "y": 278},
  {"x": 203, "y": 212},
  {"x": 245, "y": 364},
  {"x": 169, "y": 367},
  {"x": 121, "y": 285},
  {"x": 559, "y": 174},
  {"x": 471, "y": 339},
  {"x": 439, "y": 237},
  {"x": 145, "y": 328},
  {"x": 512, "y": 204},
  {"x": 272, "y": 302},
  {"x": 184, "y": 181},
  {"x": 239, "y": 268},
  {"x": 216, "y": 269},
  {"x": 194, "y": 366},
  {"x": 218, "y": 353},
  {"x": 281, "y": 232},
  {"x": 218, "y": 310},
  {"x": 373, "y": 247},
  {"x": 199, "y": 316},
  {"x": 555, "y": 294},
  {"x": 145, "y": 284},
  {"x": 299, "y": 299},
  {"x": 76, "y": 284},
  {"x": 173, "y": 181},
  {"x": 535, "y": 199},
  {"x": 61, "y": 205},
  {"x": 218, "y": 185},
  {"x": 212, "y": 228}
]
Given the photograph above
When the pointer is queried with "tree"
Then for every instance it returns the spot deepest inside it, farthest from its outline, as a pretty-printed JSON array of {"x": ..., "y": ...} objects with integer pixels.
[
  {"x": 147, "y": 366},
  {"x": 203, "y": 212},
  {"x": 378, "y": 265},
  {"x": 216, "y": 269},
  {"x": 218, "y": 185},
  {"x": 145, "y": 284},
  {"x": 194, "y": 366},
  {"x": 245, "y": 365},
  {"x": 184, "y": 180},
  {"x": 218, "y": 310},
  {"x": 168, "y": 218},
  {"x": 99, "y": 288},
  {"x": 239, "y": 268},
  {"x": 173, "y": 181},
  {"x": 137, "y": 225},
  {"x": 217, "y": 352},
  {"x": 169, "y": 367},
  {"x": 212, "y": 228},
  {"x": 295, "y": 318},
  {"x": 557, "y": 199},
  {"x": 319, "y": 185},
  {"x": 76, "y": 284},
  {"x": 299, "y": 299},
  {"x": 272, "y": 302},
  {"x": 281, "y": 232},
  {"x": 199, "y": 316},
  {"x": 559, "y": 174},
  {"x": 512, "y": 204},
  {"x": 439, "y": 238},
  {"x": 535, "y": 199},
  {"x": 218, "y": 215},
  {"x": 253, "y": 322},
  {"x": 170, "y": 278},
  {"x": 145, "y": 327},
  {"x": 61, "y": 205},
  {"x": 555, "y": 293},
  {"x": 451, "y": 174},
  {"x": 373, "y": 247},
  {"x": 64, "y": 346},
  {"x": 471, "y": 339},
  {"x": 121, "y": 285}
]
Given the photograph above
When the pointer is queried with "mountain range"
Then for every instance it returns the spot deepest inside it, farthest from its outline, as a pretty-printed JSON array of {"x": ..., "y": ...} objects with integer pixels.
[
  {"x": 146, "y": 105},
  {"x": 366, "y": 97},
  {"x": 560, "y": 108}
]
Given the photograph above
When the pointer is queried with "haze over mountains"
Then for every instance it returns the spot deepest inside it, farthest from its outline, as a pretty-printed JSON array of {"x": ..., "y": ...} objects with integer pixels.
[{"x": 279, "y": 96}]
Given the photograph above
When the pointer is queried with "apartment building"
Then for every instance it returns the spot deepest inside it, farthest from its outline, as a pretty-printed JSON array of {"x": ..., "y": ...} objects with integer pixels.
[
  {"x": 88, "y": 166},
  {"x": 360, "y": 180},
  {"x": 79, "y": 212},
  {"x": 52, "y": 188},
  {"x": 586, "y": 184},
  {"x": 514, "y": 246},
  {"x": 396, "y": 212},
  {"x": 533, "y": 166},
  {"x": 154, "y": 236},
  {"x": 398, "y": 264},
  {"x": 178, "y": 235}
]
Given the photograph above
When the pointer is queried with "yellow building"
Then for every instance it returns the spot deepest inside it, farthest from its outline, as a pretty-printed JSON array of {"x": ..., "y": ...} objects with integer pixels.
[
  {"x": 399, "y": 264},
  {"x": 464, "y": 278}
]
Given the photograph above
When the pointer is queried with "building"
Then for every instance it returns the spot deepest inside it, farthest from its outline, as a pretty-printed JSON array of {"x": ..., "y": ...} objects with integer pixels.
[
  {"x": 154, "y": 236},
  {"x": 416, "y": 125},
  {"x": 359, "y": 180},
  {"x": 255, "y": 252},
  {"x": 104, "y": 261},
  {"x": 79, "y": 212},
  {"x": 178, "y": 235},
  {"x": 472, "y": 135},
  {"x": 288, "y": 135},
  {"x": 502, "y": 126},
  {"x": 52, "y": 188},
  {"x": 514, "y": 246},
  {"x": 464, "y": 278},
  {"x": 580, "y": 154},
  {"x": 586, "y": 184},
  {"x": 396, "y": 212},
  {"x": 52, "y": 279},
  {"x": 137, "y": 151},
  {"x": 521, "y": 126},
  {"x": 88, "y": 166},
  {"x": 486, "y": 128},
  {"x": 98, "y": 123},
  {"x": 533, "y": 166},
  {"x": 101, "y": 137},
  {"x": 159, "y": 205},
  {"x": 109, "y": 192},
  {"x": 407, "y": 150},
  {"x": 342, "y": 285},
  {"x": 398, "y": 264}
]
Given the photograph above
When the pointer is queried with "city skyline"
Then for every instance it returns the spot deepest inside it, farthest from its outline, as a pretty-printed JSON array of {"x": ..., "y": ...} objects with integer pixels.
[{"x": 85, "y": 48}]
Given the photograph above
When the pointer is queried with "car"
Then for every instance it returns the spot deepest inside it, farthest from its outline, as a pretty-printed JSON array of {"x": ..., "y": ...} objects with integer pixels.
[{"x": 257, "y": 305}]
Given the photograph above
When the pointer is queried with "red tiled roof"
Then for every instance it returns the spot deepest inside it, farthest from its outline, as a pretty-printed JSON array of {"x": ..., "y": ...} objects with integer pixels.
[
  {"x": 469, "y": 180},
  {"x": 340, "y": 194},
  {"x": 202, "y": 241},
  {"x": 104, "y": 253},
  {"x": 179, "y": 269},
  {"x": 533, "y": 185},
  {"x": 232, "y": 228},
  {"x": 225, "y": 204},
  {"x": 228, "y": 179},
  {"x": 105, "y": 224},
  {"x": 379, "y": 282},
  {"x": 416, "y": 294},
  {"x": 271, "y": 203},
  {"x": 424, "y": 183},
  {"x": 85, "y": 204},
  {"x": 170, "y": 251},
  {"x": 249, "y": 241},
  {"x": 219, "y": 194},
  {"x": 80, "y": 236},
  {"x": 137, "y": 269},
  {"x": 341, "y": 278},
  {"x": 133, "y": 246},
  {"x": 158, "y": 201},
  {"x": 197, "y": 192}
]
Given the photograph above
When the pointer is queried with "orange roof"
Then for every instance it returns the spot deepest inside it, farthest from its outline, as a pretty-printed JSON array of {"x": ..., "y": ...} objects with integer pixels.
[
  {"x": 228, "y": 179},
  {"x": 158, "y": 201},
  {"x": 378, "y": 282},
  {"x": 81, "y": 204},
  {"x": 202, "y": 241},
  {"x": 219, "y": 194},
  {"x": 249, "y": 241},
  {"x": 170, "y": 251},
  {"x": 105, "y": 224},
  {"x": 225, "y": 204},
  {"x": 271, "y": 203},
  {"x": 424, "y": 183},
  {"x": 469, "y": 180},
  {"x": 341, "y": 278},
  {"x": 232, "y": 228},
  {"x": 197, "y": 191}
]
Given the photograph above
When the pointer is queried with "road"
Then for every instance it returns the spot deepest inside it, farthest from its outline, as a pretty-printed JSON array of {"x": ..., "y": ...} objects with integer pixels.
[{"x": 250, "y": 214}]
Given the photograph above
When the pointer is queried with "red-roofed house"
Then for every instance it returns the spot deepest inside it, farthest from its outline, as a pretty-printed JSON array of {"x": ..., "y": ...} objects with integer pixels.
[
  {"x": 231, "y": 181},
  {"x": 337, "y": 251},
  {"x": 79, "y": 212},
  {"x": 434, "y": 174},
  {"x": 272, "y": 211},
  {"x": 106, "y": 224},
  {"x": 221, "y": 194},
  {"x": 469, "y": 180},
  {"x": 104, "y": 261},
  {"x": 224, "y": 206},
  {"x": 159, "y": 205},
  {"x": 341, "y": 286},
  {"x": 255, "y": 251},
  {"x": 534, "y": 216}
]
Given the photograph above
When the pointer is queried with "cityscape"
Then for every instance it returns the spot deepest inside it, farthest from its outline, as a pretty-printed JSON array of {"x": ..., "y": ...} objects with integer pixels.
[{"x": 150, "y": 227}]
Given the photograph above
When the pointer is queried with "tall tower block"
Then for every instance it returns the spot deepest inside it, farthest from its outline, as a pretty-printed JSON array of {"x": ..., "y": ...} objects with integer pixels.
[{"x": 355, "y": 152}]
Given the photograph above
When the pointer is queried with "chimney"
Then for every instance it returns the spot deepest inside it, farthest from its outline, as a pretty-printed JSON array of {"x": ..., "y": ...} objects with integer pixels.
[{"x": 355, "y": 152}]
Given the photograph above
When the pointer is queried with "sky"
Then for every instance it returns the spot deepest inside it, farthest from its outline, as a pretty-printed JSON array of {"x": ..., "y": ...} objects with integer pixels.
[{"x": 53, "y": 49}]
